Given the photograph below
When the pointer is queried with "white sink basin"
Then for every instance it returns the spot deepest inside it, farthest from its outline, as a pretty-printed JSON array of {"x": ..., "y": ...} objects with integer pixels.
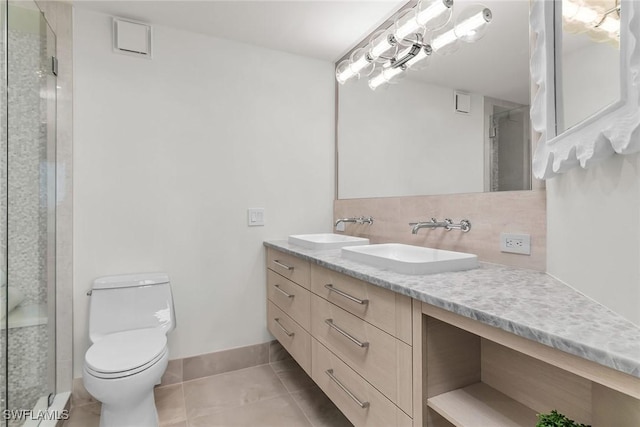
[
  {"x": 326, "y": 241},
  {"x": 408, "y": 259}
]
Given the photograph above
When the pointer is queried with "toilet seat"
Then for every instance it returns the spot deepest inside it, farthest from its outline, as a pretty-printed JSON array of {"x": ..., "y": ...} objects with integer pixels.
[{"x": 125, "y": 353}]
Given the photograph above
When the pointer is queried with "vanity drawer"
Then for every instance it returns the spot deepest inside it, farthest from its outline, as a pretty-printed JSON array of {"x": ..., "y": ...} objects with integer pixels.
[
  {"x": 381, "y": 307},
  {"x": 349, "y": 391},
  {"x": 291, "y": 335},
  {"x": 293, "y": 299},
  {"x": 383, "y": 360},
  {"x": 289, "y": 266}
]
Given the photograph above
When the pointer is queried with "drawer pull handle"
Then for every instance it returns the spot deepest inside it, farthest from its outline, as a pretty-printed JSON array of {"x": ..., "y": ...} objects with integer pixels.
[
  {"x": 346, "y": 334},
  {"x": 346, "y": 295},
  {"x": 289, "y": 334},
  {"x": 283, "y": 292},
  {"x": 360, "y": 403},
  {"x": 285, "y": 266}
]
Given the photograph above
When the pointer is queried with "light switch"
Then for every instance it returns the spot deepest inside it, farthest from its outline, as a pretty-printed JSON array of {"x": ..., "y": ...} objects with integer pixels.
[{"x": 255, "y": 217}]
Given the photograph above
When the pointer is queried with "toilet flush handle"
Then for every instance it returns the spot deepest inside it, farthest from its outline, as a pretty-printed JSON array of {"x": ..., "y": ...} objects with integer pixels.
[{"x": 89, "y": 292}]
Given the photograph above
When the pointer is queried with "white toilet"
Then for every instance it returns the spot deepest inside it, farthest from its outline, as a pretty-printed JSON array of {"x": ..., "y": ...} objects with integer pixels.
[{"x": 129, "y": 318}]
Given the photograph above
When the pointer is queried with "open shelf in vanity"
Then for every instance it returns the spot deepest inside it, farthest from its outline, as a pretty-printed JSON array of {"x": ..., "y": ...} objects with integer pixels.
[
  {"x": 473, "y": 380},
  {"x": 480, "y": 404}
]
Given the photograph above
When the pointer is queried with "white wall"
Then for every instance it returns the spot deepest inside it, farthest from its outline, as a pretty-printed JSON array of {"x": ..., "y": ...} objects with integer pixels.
[
  {"x": 593, "y": 216},
  {"x": 404, "y": 139},
  {"x": 593, "y": 232},
  {"x": 169, "y": 154}
]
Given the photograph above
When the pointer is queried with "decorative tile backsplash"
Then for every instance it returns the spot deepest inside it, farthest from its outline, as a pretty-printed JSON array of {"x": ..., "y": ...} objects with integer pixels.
[{"x": 489, "y": 213}]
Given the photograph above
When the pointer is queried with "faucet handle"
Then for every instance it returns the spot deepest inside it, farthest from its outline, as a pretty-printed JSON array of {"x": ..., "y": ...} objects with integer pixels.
[{"x": 449, "y": 222}]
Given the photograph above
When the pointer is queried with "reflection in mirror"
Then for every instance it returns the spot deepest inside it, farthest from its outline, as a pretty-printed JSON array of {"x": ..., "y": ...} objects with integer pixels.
[
  {"x": 589, "y": 61},
  {"x": 459, "y": 125}
]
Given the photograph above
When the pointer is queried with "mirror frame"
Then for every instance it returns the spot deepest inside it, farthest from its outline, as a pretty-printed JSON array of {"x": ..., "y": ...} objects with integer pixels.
[{"x": 613, "y": 129}]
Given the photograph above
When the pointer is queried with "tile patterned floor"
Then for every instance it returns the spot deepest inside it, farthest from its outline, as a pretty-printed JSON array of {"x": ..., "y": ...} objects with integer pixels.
[{"x": 280, "y": 394}]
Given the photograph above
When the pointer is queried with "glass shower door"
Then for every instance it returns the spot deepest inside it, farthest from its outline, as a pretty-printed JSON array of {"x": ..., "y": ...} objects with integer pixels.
[
  {"x": 31, "y": 181},
  {"x": 510, "y": 158},
  {"x": 3, "y": 207}
]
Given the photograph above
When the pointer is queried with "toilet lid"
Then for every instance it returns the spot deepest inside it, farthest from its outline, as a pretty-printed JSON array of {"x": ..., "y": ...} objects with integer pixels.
[{"x": 125, "y": 351}]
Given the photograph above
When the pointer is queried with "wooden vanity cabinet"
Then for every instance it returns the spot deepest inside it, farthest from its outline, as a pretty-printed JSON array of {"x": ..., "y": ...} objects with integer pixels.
[
  {"x": 359, "y": 401},
  {"x": 288, "y": 305},
  {"x": 374, "y": 316},
  {"x": 387, "y": 360},
  {"x": 353, "y": 338}
]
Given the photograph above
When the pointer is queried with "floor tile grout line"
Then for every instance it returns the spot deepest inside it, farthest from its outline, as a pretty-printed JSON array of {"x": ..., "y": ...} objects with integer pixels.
[
  {"x": 224, "y": 373},
  {"x": 183, "y": 417},
  {"x": 295, "y": 402},
  {"x": 184, "y": 401},
  {"x": 184, "y": 398},
  {"x": 280, "y": 379},
  {"x": 301, "y": 409}
]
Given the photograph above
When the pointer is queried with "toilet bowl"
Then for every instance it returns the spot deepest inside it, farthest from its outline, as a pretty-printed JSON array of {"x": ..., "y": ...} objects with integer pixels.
[
  {"x": 121, "y": 370},
  {"x": 122, "y": 366}
]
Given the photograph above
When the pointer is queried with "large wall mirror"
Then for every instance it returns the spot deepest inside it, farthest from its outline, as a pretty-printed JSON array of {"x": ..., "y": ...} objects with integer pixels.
[
  {"x": 587, "y": 59},
  {"x": 586, "y": 66},
  {"x": 459, "y": 125}
]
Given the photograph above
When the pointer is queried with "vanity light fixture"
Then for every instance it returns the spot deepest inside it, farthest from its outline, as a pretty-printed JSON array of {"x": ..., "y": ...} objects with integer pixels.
[
  {"x": 592, "y": 18},
  {"x": 425, "y": 16},
  {"x": 359, "y": 64},
  {"x": 386, "y": 75},
  {"x": 409, "y": 29},
  {"x": 471, "y": 26},
  {"x": 472, "y": 23}
]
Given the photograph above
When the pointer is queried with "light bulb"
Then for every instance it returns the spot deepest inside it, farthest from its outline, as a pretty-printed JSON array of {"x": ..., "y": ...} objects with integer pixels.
[
  {"x": 610, "y": 25},
  {"x": 344, "y": 72},
  {"x": 472, "y": 23},
  {"x": 586, "y": 15},
  {"x": 361, "y": 64},
  {"x": 405, "y": 25},
  {"x": 358, "y": 65},
  {"x": 433, "y": 14},
  {"x": 574, "y": 11},
  {"x": 386, "y": 75},
  {"x": 380, "y": 47},
  {"x": 444, "y": 40}
]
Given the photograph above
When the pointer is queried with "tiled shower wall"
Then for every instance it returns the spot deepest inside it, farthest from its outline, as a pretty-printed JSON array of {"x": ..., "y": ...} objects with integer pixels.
[
  {"x": 490, "y": 214},
  {"x": 27, "y": 206},
  {"x": 27, "y": 137}
]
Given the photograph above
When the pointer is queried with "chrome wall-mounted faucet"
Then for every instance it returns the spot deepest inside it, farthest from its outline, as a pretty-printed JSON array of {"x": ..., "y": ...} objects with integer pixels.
[
  {"x": 447, "y": 224},
  {"x": 415, "y": 226},
  {"x": 357, "y": 220}
]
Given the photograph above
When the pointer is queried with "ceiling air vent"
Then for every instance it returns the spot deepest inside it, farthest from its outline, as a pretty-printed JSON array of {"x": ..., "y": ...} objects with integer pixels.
[{"x": 131, "y": 38}]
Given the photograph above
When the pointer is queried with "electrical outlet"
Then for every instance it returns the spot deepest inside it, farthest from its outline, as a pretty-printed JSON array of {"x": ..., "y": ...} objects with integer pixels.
[{"x": 515, "y": 243}]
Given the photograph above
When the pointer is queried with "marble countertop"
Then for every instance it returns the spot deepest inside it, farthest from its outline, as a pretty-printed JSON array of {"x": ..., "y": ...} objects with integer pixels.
[{"x": 527, "y": 303}]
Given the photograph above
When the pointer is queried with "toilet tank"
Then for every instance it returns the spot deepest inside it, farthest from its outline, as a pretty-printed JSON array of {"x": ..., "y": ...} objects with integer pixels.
[{"x": 130, "y": 301}]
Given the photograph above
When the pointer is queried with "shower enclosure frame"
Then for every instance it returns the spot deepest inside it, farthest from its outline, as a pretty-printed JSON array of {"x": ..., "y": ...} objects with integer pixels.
[{"x": 28, "y": 36}]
